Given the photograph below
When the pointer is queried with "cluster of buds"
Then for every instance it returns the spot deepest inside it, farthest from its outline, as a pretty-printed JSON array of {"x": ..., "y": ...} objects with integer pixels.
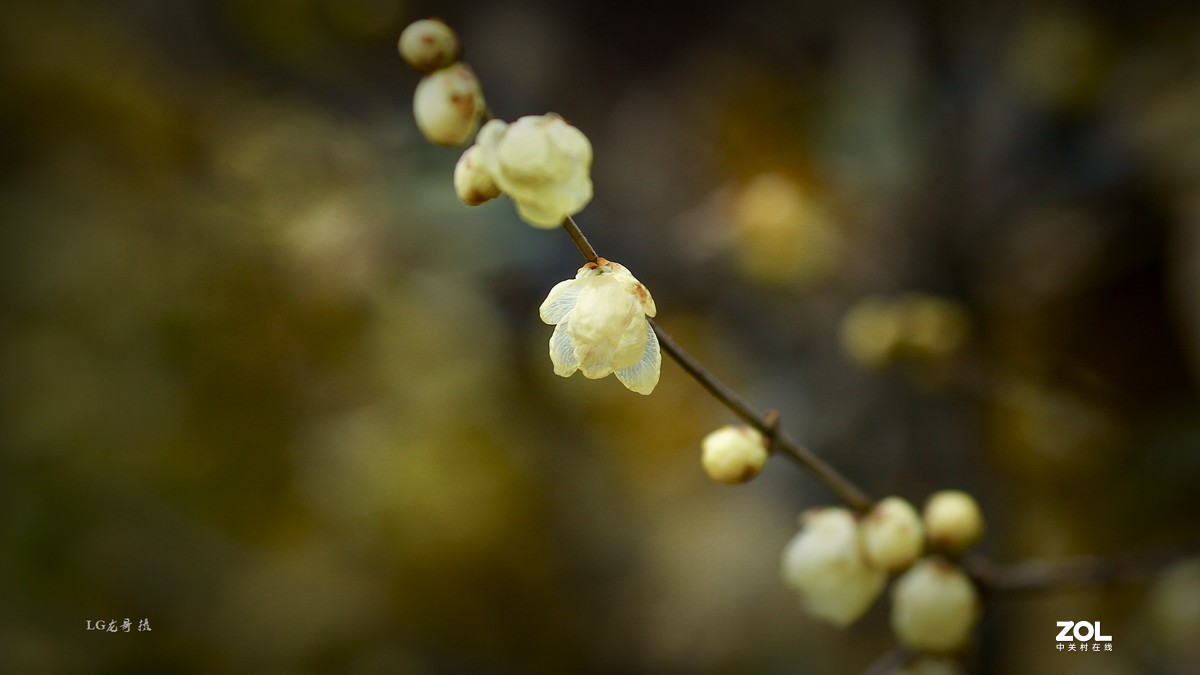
[
  {"x": 544, "y": 165},
  {"x": 540, "y": 161},
  {"x": 839, "y": 564},
  {"x": 448, "y": 104}
]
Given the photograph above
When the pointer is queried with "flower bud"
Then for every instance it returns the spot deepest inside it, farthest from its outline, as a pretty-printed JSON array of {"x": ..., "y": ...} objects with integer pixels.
[
  {"x": 953, "y": 522},
  {"x": 934, "y": 606},
  {"x": 891, "y": 535},
  {"x": 734, "y": 454},
  {"x": 448, "y": 105},
  {"x": 428, "y": 44},
  {"x": 472, "y": 181},
  {"x": 824, "y": 565},
  {"x": 542, "y": 163}
]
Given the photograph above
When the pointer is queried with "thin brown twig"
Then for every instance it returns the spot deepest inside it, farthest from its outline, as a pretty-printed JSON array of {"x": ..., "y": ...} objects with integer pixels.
[
  {"x": 581, "y": 242},
  {"x": 848, "y": 492},
  {"x": 1030, "y": 575},
  {"x": 1077, "y": 572},
  {"x": 1024, "y": 576}
]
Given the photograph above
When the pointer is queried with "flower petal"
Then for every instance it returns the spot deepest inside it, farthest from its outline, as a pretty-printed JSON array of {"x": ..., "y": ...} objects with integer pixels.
[
  {"x": 642, "y": 376},
  {"x": 560, "y": 301},
  {"x": 632, "y": 346},
  {"x": 539, "y": 214},
  {"x": 634, "y": 287},
  {"x": 600, "y": 324},
  {"x": 562, "y": 352}
]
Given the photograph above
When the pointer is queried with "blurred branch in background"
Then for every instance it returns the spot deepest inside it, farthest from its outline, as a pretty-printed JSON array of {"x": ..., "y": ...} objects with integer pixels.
[{"x": 1083, "y": 571}]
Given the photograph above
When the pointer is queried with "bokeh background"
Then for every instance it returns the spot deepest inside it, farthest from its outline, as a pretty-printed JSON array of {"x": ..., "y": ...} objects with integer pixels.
[{"x": 268, "y": 386}]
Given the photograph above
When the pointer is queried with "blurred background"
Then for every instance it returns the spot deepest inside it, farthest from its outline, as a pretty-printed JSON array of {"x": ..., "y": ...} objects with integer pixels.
[{"x": 268, "y": 386}]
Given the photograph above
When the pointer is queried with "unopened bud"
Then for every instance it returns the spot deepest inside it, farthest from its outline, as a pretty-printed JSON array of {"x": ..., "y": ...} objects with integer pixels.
[
  {"x": 824, "y": 565},
  {"x": 428, "y": 44},
  {"x": 448, "y": 105},
  {"x": 734, "y": 454},
  {"x": 472, "y": 181},
  {"x": 953, "y": 522},
  {"x": 891, "y": 535},
  {"x": 934, "y": 607}
]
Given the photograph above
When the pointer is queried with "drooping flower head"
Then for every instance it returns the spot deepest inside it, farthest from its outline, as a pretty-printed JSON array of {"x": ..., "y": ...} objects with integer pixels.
[
  {"x": 601, "y": 328},
  {"x": 542, "y": 163}
]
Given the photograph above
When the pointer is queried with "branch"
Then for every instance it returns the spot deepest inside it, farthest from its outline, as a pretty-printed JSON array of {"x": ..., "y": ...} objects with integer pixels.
[
  {"x": 848, "y": 492},
  {"x": 581, "y": 242},
  {"x": 1079, "y": 572},
  {"x": 889, "y": 662}
]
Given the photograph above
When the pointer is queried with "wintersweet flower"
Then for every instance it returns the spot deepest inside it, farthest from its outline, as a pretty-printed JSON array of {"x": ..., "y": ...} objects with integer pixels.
[
  {"x": 733, "y": 454},
  {"x": 448, "y": 105},
  {"x": 824, "y": 565},
  {"x": 428, "y": 44},
  {"x": 472, "y": 181},
  {"x": 601, "y": 328},
  {"x": 934, "y": 606},
  {"x": 542, "y": 163},
  {"x": 891, "y": 535},
  {"x": 953, "y": 521}
]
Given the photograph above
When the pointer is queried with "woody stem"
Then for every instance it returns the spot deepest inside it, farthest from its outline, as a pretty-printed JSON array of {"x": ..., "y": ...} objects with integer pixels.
[
  {"x": 848, "y": 492},
  {"x": 1036, "y": 575},
  {"x": 581, "y": 242}
]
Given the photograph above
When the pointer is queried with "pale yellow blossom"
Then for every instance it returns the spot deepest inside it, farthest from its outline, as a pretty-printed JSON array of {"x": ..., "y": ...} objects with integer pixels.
[
  {"x": 542, "y": 163},
  {"x": 601, "y": 327}
]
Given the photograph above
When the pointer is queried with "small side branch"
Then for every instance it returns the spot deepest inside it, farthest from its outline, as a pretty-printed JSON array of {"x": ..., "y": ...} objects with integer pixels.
[
  {"x": 845, "y": 490},
  {"x": 1083, "y": 571}
]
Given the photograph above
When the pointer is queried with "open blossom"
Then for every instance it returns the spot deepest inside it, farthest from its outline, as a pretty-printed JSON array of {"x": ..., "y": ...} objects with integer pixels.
[
  {"x": 601, "y": 328},
  {"x": 542, "y": 163}
]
